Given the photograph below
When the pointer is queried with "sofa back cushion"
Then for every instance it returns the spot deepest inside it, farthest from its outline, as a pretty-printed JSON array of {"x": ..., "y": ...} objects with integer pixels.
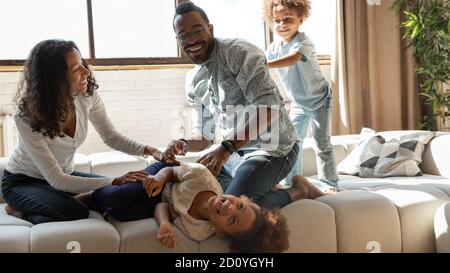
[{"x": 436, "y": 157}]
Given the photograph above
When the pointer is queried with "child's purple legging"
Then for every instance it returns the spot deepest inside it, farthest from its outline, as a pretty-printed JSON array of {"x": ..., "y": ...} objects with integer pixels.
[{"x": 129, "y": 202}]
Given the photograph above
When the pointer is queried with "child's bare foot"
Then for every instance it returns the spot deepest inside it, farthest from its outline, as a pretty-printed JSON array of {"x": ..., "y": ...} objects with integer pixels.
[
  {"x": 11, "y": 211},
  {"x": 303, "y": 189}
]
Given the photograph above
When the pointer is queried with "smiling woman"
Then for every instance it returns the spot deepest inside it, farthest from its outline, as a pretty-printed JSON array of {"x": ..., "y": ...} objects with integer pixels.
[{"x": 56, "y": 99}]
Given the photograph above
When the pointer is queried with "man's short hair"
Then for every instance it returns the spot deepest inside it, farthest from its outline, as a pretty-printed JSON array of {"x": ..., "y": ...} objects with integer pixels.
[{"x": 188, "y": 6}]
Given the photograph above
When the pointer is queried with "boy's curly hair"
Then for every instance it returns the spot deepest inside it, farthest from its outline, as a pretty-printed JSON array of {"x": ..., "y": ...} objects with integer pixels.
[
  {"x": 301, "y": 7},
  {"x": 268, "y": 235}
]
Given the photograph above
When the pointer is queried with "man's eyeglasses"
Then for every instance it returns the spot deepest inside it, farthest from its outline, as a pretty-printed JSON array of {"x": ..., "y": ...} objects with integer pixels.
[{"x": 194, "y": 32}]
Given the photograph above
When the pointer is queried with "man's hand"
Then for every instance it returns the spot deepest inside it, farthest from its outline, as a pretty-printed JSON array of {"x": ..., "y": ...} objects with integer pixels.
[
  {"x": 130, "y": 177},
  {"x": 175, "y": 147},
  {"x": 152, "y": 186},
  {"x": 215, "y": 159},
  {"x": 166, "y": 235}
]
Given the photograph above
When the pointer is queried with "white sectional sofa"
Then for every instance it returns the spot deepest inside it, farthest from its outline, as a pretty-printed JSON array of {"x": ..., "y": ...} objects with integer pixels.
[{"x": 395, "y": 214}]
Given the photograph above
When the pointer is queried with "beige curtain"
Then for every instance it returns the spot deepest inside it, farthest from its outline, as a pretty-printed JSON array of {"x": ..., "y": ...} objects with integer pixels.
[{"x": 372, "y": 71}]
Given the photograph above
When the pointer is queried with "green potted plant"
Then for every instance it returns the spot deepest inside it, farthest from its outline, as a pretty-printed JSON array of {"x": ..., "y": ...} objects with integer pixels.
[{"x": 426, "y": 25}]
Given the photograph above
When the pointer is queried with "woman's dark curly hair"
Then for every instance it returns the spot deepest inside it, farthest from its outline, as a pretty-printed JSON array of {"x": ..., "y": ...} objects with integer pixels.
[
  {"x": 269, "y": 234},
  {"x": 44, "y": 96},
  {"x": 301, "y": 7}
]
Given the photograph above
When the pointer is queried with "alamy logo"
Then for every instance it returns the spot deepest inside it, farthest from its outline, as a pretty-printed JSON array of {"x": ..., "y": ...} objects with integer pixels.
[
  {"x": 74, "y": 246},
  {"x": 374, "y": 2},
  {"x": 374, "y": 247},
  {"x": 231, "y": 119}
]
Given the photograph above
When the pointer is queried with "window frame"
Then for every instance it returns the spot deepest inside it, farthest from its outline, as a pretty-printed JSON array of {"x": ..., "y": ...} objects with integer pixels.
[{"x": 181, "y": 59}]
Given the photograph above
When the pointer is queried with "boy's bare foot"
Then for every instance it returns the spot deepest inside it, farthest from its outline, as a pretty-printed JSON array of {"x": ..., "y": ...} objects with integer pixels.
[
  {"x": 303, "y": 189},
  {"x": 10, "y": 211}
]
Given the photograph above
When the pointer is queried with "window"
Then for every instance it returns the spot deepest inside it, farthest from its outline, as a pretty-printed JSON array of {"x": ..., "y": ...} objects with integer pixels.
[
  {"x": 124, "y": 32},
  {"x": 236, "y": 19},
  {"x": 108, "y": 32},
  {"x": 320, "y": 26},
  {"x": 24, "y": 23},
  {"x": 134, "y": 29}
]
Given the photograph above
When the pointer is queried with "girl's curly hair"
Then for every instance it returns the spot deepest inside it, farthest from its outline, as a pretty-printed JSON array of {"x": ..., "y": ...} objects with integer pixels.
[
  {"x": 269, "y": 234},
  {"x": 301, "y": 7},
  {"x": 44, "y": 96}
]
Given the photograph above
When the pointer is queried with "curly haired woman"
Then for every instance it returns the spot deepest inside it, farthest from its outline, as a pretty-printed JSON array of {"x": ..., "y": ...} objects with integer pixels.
[{"x": 56, "y": 98}]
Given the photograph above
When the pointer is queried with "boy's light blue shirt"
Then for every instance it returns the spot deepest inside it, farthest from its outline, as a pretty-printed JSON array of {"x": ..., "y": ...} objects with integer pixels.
[{"x": 304, "y": 81}]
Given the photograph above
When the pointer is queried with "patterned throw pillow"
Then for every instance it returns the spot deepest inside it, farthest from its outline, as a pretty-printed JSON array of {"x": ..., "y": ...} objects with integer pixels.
[
  {"x": 374, "y": 157},
  {"x": 351, "y": 164},
  {"x": 397, "y": 157}
]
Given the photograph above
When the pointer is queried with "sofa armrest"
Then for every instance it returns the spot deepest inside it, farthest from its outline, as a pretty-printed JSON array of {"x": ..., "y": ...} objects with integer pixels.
[{"x": 436, "y": 156}]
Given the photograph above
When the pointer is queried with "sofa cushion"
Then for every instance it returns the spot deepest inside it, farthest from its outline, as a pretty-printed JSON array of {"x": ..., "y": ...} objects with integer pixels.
[
  {"x": 442, "y": 228},
  {"x": 14, "y": 239},
  {"x": 364, "y": 219},
  {"x": 140, "y": 237},
  {"x": 310, "y": 166},
  {"x": 214, "y": 244},
  {"x": 416, "y": 207},
  {"x": 92, "y": 235},
  {"x": 7, "y": 220},
  {"x": 312, "y": 227},
  {"x": 113, "y": 164}
]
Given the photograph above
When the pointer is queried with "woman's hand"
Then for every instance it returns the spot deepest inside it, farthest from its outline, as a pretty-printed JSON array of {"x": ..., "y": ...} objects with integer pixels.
[
  {"x": 130, "y": 177},
  {"x": 157, "y": 154},
  {"x": 152, "y": 186},
  {"x": 166, "y": 235},
  {"x": 215, "y": 159}
]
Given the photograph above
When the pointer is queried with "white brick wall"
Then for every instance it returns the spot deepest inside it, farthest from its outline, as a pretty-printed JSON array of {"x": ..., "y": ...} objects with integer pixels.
[
  {"x": 8, "y": 88},
  {"x": 146, "y": 105}
]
